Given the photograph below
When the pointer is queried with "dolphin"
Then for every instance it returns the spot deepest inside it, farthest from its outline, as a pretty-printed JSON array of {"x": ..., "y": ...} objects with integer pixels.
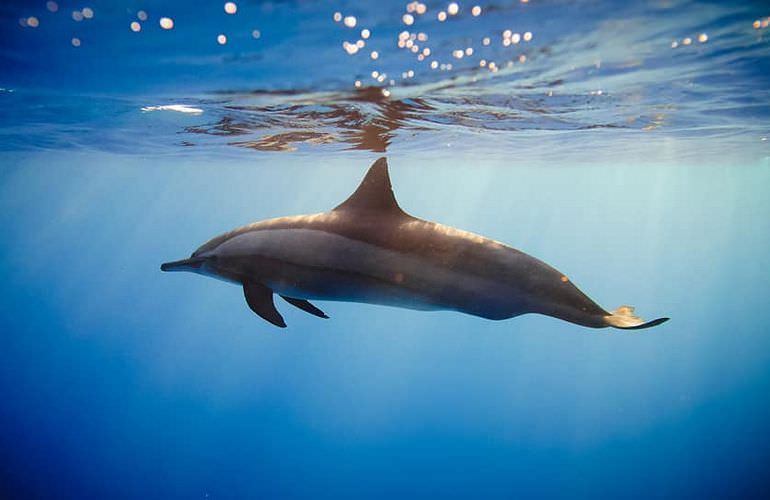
[{"x": 367, "y": 249}]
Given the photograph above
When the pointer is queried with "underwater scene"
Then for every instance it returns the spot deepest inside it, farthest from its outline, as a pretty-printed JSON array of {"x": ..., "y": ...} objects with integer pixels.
[{"x": 536, "y": 263}]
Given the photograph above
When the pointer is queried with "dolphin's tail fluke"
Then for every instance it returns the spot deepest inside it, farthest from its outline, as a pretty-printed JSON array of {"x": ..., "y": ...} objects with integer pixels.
[{"x": 623, "y": 317}]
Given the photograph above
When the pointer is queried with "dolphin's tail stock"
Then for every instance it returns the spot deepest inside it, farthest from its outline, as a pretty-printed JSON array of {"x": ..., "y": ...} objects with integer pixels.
[{"x": 623, "y": 317}]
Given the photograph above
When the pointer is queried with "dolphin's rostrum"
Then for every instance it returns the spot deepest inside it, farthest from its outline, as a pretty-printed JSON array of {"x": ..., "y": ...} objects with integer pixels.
[{"x": 368, "y": 249}]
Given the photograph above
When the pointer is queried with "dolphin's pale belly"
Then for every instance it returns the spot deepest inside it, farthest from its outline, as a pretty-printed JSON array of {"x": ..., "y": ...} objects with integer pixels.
[{"x": 314, "y": 264}]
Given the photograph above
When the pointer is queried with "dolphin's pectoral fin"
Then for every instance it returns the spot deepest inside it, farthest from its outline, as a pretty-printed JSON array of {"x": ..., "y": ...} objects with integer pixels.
[
  {"x": 260, "y": 300},
  {"x": 624, "y": 318},
  {"x": 305, "y": 306}
]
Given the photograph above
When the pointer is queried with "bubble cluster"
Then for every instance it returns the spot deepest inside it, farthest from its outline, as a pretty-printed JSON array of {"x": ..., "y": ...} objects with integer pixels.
[
  {"x": 414, "y": 43},
  {"x": 350, "y": 48},
  {"x": 135, "y": 26},
  {"x": 511, "y": 38},
  {"x": 353, "y": 48},
  {"x": 416, "y": 8},
  {"x": 761, "y": 23},
  {"x": 701, "y": 38}
]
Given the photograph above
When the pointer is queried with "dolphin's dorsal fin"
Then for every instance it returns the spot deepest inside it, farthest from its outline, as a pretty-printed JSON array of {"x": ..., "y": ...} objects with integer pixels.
[{"x": 374, "y": 194}]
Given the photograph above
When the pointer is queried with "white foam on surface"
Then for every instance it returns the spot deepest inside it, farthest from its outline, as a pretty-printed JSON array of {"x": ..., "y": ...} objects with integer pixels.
[{"x": 180, "y": 108}]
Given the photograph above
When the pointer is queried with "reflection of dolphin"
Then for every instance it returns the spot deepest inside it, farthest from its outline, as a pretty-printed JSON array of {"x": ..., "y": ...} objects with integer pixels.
[{"x": 369, "y": 250}]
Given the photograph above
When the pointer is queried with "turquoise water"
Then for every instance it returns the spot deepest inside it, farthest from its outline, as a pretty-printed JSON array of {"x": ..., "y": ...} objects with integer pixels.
[{"x": 119, "y": 381}]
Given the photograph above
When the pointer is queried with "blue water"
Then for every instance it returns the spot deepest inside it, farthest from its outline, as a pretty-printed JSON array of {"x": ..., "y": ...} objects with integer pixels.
[{"x": 638, "y": 169}]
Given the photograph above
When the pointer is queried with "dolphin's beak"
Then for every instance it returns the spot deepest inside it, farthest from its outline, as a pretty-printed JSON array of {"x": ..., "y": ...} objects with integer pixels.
[{"x": 190, "y": 264}]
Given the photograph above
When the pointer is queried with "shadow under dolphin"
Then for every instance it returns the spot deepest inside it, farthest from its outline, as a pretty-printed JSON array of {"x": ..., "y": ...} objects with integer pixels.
[{"x": 367, "y": 249}]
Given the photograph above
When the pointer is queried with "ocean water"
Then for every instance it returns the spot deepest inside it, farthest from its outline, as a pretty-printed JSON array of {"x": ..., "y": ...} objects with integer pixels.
[{"x": 624, "y": 143}]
